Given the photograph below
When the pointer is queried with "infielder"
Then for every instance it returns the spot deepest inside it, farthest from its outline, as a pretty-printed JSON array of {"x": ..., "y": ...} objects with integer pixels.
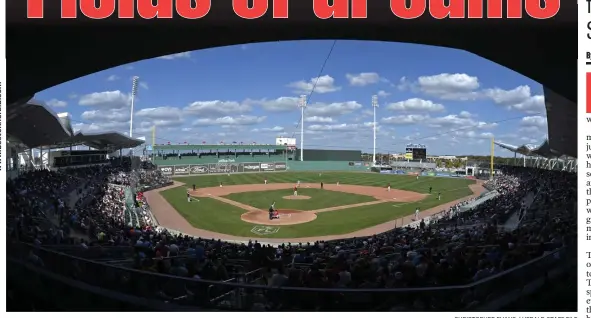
[
  {"x": 417, "y": 177},
  {"x": 298, "y": 183},
  {"x": 439, "y": 196},
  {"x": 417, "y": 214},
  {"x": 188, "y": 196},
  {"x": 338, "y": 183},
  {"x": 295, "y": 191},
  {"x": 221, "y": 185},
  {"x": 388, "y": 187},
  {"x": 265, "y": 180}
]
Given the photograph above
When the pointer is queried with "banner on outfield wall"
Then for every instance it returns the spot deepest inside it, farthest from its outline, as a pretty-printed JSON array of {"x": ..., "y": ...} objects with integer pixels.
[
  {"x": 167, "y": 170},
  {"x": 252, "y": 167},
  {"x": 267, "y": 166},
  {"x": 199, "y": 169},
  {"x": 280, "y": 166},
  {"x": 182, "y": 170}
]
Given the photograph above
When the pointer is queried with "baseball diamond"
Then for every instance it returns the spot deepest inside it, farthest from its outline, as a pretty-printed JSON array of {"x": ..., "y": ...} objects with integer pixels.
[{"x": 349, "y": 204}]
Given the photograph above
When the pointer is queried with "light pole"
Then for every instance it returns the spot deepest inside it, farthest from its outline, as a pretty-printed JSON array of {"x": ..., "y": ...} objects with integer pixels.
[
  {"x": 133, "y": 93},
  {"x": 134, "y": 81},
  {"x": 374, "y": 104},
  {"x": 302, "y": 105}
]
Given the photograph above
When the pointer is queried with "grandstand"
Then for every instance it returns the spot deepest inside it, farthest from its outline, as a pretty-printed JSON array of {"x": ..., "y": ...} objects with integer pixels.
[{"x": 89, "y": 234}]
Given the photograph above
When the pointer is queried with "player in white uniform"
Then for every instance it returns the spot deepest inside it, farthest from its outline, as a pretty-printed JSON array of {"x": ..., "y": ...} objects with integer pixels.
[{"x": 417, "y": 211}]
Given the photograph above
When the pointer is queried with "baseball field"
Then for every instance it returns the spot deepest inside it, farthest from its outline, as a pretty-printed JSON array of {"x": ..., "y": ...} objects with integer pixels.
[{"x": 349, "y": 204}]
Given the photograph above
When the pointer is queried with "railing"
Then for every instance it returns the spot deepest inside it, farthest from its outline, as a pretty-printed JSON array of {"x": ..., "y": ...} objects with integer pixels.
[{"x": 194, "y": 292}]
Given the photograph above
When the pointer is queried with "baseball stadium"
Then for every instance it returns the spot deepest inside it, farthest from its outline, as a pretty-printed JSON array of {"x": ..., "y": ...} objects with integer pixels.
[{"x": 100, "y": 219}]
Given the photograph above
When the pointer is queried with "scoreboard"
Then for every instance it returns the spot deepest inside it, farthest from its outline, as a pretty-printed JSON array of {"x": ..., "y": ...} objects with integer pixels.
[{"x": 416, "y": 152}]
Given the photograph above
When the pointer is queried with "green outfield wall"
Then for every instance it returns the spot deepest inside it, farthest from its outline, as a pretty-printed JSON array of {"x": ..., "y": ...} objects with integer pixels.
[{"x": 177, "y": 169}]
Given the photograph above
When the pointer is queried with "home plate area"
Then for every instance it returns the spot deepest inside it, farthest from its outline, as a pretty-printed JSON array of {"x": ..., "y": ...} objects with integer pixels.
[{"x": 285, "y": 217}]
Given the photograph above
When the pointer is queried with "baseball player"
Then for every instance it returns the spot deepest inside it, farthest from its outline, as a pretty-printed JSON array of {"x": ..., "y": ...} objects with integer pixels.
[
  {"x": 194, "y": 188},
  {"x": 439, "y": 196},
  {"x": 298, "y": 183},
  {"x": 265, "y": 180},
  {"x": 295, "y": 191},
  {"x": 221, "y": 185},
  {"x": 271, "y": 211},
  {"x": 388, "y": 186},
  {"x": 417, "y": 177},
  {"x": 430, "y": 189},
  {"x": 417, "y": 211},
  {"x": 338, "y": 183},
  {"x": 188, "y": 196},
  {"x": 321, "y": 185}
]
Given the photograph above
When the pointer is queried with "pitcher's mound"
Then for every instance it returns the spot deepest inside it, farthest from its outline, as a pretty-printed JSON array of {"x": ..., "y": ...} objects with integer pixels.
[
  {"x": 297, "y": 197},
  {"x": 286, "y": 217}
]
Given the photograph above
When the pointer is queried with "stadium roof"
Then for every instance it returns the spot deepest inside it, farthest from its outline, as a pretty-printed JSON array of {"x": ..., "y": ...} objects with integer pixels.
[
  {"x": 34, "y": 124},
  {"x": 542, "y": 150}
]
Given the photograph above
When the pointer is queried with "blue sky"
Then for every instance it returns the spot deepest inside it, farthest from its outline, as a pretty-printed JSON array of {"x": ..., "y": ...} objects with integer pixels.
[{"x": 249, "y": 93}]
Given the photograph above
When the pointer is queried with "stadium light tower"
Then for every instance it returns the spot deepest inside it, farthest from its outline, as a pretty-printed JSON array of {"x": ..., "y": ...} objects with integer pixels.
[
  {"x": 374, "y": 104},
  {"x": 302, "y": 104},
  {"x": 135, "y": 80}
]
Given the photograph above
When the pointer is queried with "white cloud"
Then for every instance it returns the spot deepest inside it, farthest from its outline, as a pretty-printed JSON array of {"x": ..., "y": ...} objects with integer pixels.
[
  {"x": 404, "y": 119},
  {"x": 363, "y": 79},
  {"x": 56, "y": 103},
  {"x": 416, "y": 105},
  {"x": 242, "y": 120},
  {"x": 281, "y": 104},
  {"x": 102, "y": 127},
  {"x": 160, "y": 113},
  {"x": 403, "y": 84},
  {"x": 338, "y": 127},
  {"x": 453, "y": 121},
  {"x": 144, "y": 85},
  {"x": 216, "y": 108},
  {"x": 519, "y": 99},
  {"x": 534, "y": 124},
  {"x": 332, "y": 109},
  {"x": 183, "y": 55},
  {"x": 465, "y": 114},
  {"x": 458, "y": 86},
  {"x": 107, "y": 100},
  {"x": 318, "y": 119},
  {"x": 271, "y": 129},
  {"x": 73, "y": 96},
  {"x": 321, "y": 85},
  {"x": 112, "y": 78},
  {"x": 101, "y": 116},
  {"x": 383, "y": 94}
]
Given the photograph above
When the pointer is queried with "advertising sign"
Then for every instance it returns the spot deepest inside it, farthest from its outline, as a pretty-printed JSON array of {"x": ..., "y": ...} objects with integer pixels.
[
  {"x": 385, "y": 171},
  {"x": 240, "y": 167},
  {"x": 252, "y": 167},
  {"x": 267, "y": 167},
  {"x": 233, "y": 167},
  {"x": 167, "y": 170},
  {"x": 400, "y": 172},
  {"x": 199, "y": 169},
  {"x": 213, "y": 168},
  {"x": 223, "y": 168},
  {"x": 431, "y": 174},
  {"x": 181, "y": 170},
  {"x": 280, "y": 166}
]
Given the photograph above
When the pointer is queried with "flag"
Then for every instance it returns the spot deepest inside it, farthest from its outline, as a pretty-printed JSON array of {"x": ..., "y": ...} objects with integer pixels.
[
  {"x": 185, "y": 142},
  {"x": 233, "y": 142},
  {"x": 204, "y": 142},
  {"x": 169, "y": 142}
]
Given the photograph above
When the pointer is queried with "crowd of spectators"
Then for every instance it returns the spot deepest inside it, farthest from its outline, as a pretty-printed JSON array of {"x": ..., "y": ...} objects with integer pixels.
[{"x": 431, "y": 254}]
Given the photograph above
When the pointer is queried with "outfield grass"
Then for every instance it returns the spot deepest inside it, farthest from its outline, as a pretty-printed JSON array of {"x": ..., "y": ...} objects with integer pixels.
[
  {"x": 210, "y": 214},
  {"x": 319, "y": 199}
]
